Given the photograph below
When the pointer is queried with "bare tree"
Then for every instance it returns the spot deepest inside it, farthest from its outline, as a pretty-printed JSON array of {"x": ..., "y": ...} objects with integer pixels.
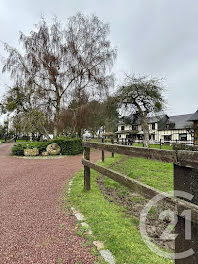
[
  {"x": 59, "y": 61},
  {"x": 74, "y": 117},
  {"x": 142, "y": 95}
]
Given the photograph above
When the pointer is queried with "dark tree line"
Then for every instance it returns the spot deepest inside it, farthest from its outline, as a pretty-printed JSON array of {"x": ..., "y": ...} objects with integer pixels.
[{"x": 90, "y": 116}]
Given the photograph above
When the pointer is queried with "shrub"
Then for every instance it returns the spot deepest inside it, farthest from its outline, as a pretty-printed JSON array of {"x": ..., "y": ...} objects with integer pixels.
[
  {"x": 41, "y": 146},
  {"x": 69, "y": 146},
  {"x": 18, "y": 149}
]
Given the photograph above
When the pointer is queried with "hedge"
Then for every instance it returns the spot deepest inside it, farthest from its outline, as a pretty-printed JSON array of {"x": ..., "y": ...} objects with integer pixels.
[
  {"x": 18, "y": 149},
  {"x": 69, "y": 146}
]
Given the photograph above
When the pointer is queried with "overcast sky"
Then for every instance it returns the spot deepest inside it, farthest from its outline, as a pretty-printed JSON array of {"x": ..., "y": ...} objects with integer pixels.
[{"x": 155, "y": 37}]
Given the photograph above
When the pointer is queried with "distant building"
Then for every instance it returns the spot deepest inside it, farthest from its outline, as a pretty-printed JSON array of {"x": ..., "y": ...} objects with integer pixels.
[
  {"x": 163, "y": 127},
  {"x": 194, "y": 119}
]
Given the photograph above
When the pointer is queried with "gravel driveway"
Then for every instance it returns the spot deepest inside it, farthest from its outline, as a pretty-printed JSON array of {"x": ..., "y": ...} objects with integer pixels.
[{"x": 33, "y": 227}]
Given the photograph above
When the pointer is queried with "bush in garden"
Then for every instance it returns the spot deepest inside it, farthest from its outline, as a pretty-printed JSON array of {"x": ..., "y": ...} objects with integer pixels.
[
  {"x": 18, "y": 149},
  {"x": 69, "y": 146},
  {"x": 41, "y": 146}
]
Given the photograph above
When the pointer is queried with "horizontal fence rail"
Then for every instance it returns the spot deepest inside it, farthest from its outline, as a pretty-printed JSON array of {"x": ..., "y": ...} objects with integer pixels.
[
  {"x": 185, "y": 179},
  {"x": 180, "y": 157},
  {"x": 145, "y": 190},
  {"x": 141, "y": 141}
]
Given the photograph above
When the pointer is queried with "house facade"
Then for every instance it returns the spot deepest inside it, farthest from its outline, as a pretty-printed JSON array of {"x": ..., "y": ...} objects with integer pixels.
[{"x": 163, "y": 127}]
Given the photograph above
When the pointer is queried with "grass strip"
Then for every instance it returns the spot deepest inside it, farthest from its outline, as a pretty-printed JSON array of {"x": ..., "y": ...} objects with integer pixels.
[{"x": 109, "y": 223}]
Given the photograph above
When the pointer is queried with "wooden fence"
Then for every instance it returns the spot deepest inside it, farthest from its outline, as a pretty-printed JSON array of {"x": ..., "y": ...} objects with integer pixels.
[
  {"x": 185, "y": 179},
  {"x": 129, "y": 141}
]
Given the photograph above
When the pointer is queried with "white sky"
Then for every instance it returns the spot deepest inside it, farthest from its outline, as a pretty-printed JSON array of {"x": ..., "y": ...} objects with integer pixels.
[{"x": 155, "y": 37}]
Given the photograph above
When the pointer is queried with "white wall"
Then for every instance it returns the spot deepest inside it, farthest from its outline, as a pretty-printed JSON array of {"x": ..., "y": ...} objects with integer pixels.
[
  {"x": 158, "y": 134},
  {"x": 175, "y": 134}
]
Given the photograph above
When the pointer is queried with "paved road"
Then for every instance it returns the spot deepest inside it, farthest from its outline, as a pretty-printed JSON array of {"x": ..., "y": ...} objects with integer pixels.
[{"x": 33, "y": 226}]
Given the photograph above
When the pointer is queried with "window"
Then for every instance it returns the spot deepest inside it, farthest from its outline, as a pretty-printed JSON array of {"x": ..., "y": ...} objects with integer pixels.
[
  {"x": 183, "y": 137},
  {"x": 134, "y": 127},
  {"x": 167, "y": 137},
  {"x": 120, "y": 136},
  {"x": 122, "y": 127},
  {"x": 153, "y": 126}
]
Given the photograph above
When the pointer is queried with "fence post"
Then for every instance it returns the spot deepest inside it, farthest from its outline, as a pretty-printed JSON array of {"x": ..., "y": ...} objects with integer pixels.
[
  {"x": 160, "y": 143},
  {"x": 186, "y": 179},
  {"x": 112, "y": 142},
  {"x": 87, "y": 185},
  {"x": 102, "y": 151}
]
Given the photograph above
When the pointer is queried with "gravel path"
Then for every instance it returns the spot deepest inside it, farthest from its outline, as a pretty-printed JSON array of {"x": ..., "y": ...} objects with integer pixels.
[{"x": 33, "y": 226}]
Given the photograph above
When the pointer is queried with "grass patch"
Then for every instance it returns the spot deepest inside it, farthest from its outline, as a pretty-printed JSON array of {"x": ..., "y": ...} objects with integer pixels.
[
  {"x": 153, "y": 173},
  {"x": 109, "y": 223},
  {"x": 156, "y": 146},
  {"x": 25, "y": 141}
]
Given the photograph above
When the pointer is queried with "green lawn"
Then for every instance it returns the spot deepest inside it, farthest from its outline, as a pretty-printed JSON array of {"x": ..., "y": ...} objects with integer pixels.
[
  {"x": 153, "y": 173},
  {"x": 25, "y": 141},
  {"x": 108, "y": 221},
  {"x": 164, "y": 146},
  {"x": 18, "y": 141}
]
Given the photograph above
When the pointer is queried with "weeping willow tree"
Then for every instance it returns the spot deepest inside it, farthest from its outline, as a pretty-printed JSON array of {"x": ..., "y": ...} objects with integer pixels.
[{"x": 58, "y": 61}]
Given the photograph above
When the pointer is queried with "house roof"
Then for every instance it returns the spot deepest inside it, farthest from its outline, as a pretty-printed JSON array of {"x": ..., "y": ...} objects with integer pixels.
[
  {"x": 194, "y": 117},
  {"x": 135, "y": 119},
  {"x": 155, "y": 119},
  {"x": 129, "y": 120},
  {"x": 174, "y": 122},
  {"x": 181, "y": 121}
]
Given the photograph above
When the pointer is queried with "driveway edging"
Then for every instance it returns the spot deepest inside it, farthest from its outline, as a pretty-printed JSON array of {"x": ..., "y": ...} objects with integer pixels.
[{"x": 105, "y": 253}]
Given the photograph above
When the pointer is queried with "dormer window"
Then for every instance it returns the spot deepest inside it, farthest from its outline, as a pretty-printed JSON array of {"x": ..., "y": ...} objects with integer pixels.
[
  {"x": 122, "y": 128},
  {"x": 153, "y": 126}
]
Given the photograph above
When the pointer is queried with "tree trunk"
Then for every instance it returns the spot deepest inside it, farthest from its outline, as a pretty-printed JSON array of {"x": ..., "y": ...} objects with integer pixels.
[
  {"x": 57, "y": 114},
  {"x": 145, "y": 128},
  {"x": 79, "y": 132},
  {"x": 46, "y": 134},
  {"x": 74, "y": 123}
]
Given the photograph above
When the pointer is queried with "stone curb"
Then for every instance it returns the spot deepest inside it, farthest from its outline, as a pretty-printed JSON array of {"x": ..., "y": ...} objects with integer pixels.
[{"x": 105, "y": 253}]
